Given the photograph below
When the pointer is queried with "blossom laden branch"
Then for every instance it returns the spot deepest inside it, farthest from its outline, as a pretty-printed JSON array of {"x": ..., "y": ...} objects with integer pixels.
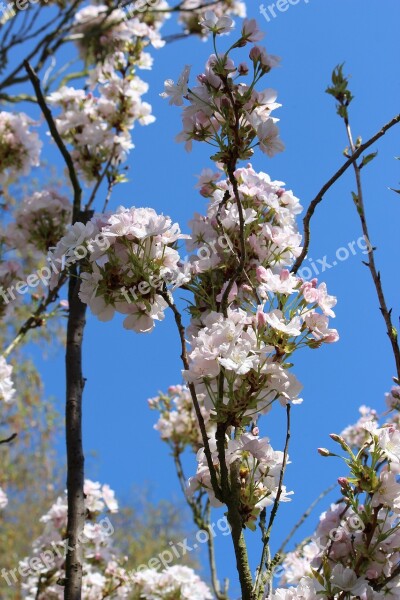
[
  {"x": 58, "y": 140},
  {"x": 185, "y": 362}
]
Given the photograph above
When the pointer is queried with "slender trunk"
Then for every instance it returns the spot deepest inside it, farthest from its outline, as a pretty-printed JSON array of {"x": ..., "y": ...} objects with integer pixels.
[
  {"x": 75, "y": 457},
  {"x": 242, "y": 561}
]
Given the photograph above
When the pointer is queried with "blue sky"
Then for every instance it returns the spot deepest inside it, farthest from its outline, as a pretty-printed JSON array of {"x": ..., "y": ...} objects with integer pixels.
[{"x": 124, "y": 369}]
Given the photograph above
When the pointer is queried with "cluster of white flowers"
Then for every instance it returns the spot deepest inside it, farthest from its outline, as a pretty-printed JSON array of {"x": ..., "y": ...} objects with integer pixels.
[
  {"x": 98, "y": 127},
  {"x": 245, "y": 343},
  {"x": 129, "y": 266},
  {"x": 357, "y": 435},
  {"x": 207, "y": 116},
  {"x": 3, "y": 499},
  {"x": 104, "y": 575},
  {"x": 97, "y": 123},
  {"x": 178, "y": 424},
  {"x": 195, "y": 13},
  {"x": 357, "y": 540},
  {"x": 106, "y": 31},
  {"x": 19, "y": 145},
  {"x": 7, "y": 390},
  {"x": 177, "y": 582},
  {"x": 270, "y": 213},
  {"x": 40, "y": 221},
  {"x": 47, "y": 562},
  {"x": 258, "y": 469}
]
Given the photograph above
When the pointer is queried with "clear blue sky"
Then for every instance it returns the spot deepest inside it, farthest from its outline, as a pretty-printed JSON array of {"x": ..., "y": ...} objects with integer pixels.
[{"x": 123, "y": 369}]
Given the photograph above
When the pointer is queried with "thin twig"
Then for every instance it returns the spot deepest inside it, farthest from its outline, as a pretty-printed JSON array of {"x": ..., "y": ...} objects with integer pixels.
[
  {"x": 10, "y": 439},
  {"x": 319, "y": 197},
  {"x": 58, "y": 140},
  {"x": 192, "y": 389},
  {"x": 375, "y": 274},
  {"x": 273, "y": 514},
  {"x": 35, "y": 319}
]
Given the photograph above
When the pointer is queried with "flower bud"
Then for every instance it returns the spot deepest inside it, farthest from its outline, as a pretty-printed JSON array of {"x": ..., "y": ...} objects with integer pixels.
[
  {"x": 324, "y": 452},
  {"x": 340, "y": 440},
  {"x": 255, "y": 53},
  {"x": 344, "y": 483}
]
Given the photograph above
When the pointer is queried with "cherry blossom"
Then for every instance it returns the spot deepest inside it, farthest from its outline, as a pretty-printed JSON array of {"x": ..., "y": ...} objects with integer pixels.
[
  {"x": 176, "y": 91},
  {"x": 40, "y": 221},
  {"x": 19, "y": 146},
  {"x": 215, "y": 24},
  {"x": 104, "y": 573},
  {"x": 178, "y": 423},
  {"x": 7, "y": 390},
  {"x": 3, "y": 499},
  {"x": 258, "y": 470}
]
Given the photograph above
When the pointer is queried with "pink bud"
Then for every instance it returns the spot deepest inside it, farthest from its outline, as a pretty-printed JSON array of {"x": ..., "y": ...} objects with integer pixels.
[
  {"x": 261, "y": 318},
  {"x": 324, "y": 452},
  {"x": 255, "y": 431},
  {"x": 255, "y": 53},
  {"x": 261, "y": 273},
  {"x": 331, "y": 338},
  {"x": 284, "y": 275}
]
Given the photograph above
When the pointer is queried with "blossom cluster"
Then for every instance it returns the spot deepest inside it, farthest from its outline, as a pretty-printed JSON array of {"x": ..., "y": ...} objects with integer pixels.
[
  {"x": 178, "y": 424},
  {"x": 3, "y": 499},
  {"x": 49, "y": 549},
  {"x": 354, "y": 552},
  {"x": 104, "y": 574},
  {"x": 7, "y": 390},
  {"x": 98, "y": 127},
  {"x": 178, "y": 582},
  {"x": 226, "y": 113},
  {"x": 195, "y": 13},
  {"x": 257, "y": 468},
  {"x": 131, "y": 271},
  {"x": 19, "y": 146},
  {"x": 97, "y": 123},
  {"x": 39, "y": 221},
  {"x": 102, "y": 31},
  {"x": 271, "y": 312}
]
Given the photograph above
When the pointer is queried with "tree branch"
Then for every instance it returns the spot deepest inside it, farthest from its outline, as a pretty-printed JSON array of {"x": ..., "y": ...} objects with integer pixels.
[
  {"x": 319, "y": 197},
  {"x": 74, "y": 379},
  {"x": 9, "y": 439},
  {"x": 375, "y": 274},
  {"x": 267, "y": 534}
]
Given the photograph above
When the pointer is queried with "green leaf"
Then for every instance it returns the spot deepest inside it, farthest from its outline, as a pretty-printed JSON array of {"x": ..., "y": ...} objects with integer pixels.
[{"x": 367, "y": 159}]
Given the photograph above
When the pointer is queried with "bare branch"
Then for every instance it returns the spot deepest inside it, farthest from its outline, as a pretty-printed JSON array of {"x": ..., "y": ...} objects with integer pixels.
[
  {"x": 319, "y": 197},
  {"x": 375, "y": 274}
]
